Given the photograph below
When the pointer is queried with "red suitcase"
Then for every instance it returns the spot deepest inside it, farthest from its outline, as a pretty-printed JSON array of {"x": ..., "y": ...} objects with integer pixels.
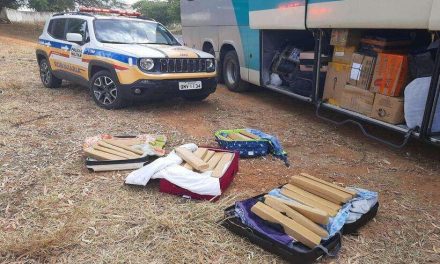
[{"x": 225, "y": 181}]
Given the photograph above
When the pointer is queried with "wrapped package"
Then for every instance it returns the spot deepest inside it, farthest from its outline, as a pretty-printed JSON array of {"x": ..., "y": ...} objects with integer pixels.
[{"x": 416, "y": 94}]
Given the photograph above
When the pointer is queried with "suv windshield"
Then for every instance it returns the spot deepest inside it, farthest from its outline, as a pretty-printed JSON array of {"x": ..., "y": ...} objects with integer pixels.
[{"x": 132, "y": 32}]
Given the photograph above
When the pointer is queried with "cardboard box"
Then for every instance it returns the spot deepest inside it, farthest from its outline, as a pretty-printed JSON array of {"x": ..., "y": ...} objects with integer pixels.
[
  {"x": 390, "y": 75},
  {"x": 337, "y": 77},
  {"x": 343, "y": 54},
  {"x": 307, "y": 61},
  {"x": 362, "y": 69},
  {"x": 357, "y": 100},
  {"x": 345, "y": 37},
  {"x": 384, "y": 44},
  {"x": 388, "y": 109}
]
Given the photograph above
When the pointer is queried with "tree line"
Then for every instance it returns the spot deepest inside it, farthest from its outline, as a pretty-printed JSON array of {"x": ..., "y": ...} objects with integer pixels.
[{"x": 166, "y": 12}]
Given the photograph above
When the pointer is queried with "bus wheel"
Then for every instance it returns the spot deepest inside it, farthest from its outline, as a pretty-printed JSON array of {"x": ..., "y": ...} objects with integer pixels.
[{"x": 231, "y": 73}]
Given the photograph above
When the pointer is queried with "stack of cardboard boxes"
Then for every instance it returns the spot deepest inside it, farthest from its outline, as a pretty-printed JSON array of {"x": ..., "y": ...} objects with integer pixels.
[{"x": 368, "y": 84}]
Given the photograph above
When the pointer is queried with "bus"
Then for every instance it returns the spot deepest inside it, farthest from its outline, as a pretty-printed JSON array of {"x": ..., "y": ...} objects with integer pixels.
[{"x": 253, "y": 39}]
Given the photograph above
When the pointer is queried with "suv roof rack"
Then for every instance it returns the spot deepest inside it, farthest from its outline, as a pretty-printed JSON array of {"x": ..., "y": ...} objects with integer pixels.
[
  {"x": 105, "y": 11},
  {"x": 74, "y": 13}
]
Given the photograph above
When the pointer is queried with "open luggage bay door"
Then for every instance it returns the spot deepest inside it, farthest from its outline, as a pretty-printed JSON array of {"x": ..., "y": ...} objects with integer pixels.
[
  {"x": 368, "y": 14},
  {"x": 282, "y": 14},
  {"x": 434, "y": 19}
]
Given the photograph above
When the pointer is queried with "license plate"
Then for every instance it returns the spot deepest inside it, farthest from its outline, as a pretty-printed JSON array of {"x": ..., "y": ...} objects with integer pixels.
[{"x": 183, "y": 86}]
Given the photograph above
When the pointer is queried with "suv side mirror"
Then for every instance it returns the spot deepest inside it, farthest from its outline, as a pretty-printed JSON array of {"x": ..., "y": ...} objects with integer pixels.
[{"x": 74, "y": 37}]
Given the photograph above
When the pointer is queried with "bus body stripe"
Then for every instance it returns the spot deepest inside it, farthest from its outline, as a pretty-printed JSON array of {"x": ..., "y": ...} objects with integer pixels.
[{"x": 258, "y": 5}]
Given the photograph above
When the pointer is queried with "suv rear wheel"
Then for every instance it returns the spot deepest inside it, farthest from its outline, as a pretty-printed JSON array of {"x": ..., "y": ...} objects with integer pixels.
[
  {"x": 47, "y": 78},
  {"x": 231, "y": 73},
  {"x": 105, "y": 91}
]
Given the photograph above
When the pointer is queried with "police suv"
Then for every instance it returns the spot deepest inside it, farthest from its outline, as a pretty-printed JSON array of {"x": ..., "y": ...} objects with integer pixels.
[{"x": 122, "y": 58}]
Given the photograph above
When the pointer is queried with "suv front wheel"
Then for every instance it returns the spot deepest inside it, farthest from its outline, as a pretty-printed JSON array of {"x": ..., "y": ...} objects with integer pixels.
[
  {"x": 47, "y": 78},
  {"x": 105, "y": 91}
]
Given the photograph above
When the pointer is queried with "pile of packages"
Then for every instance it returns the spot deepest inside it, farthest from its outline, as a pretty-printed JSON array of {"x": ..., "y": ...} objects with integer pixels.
[
  {"x": 310, "y": 203},
  {"x": 203, "y": 160},
  {"x": 110, "y": 153},
  {"x": 302, "y": 220},
  {"x": 368, "y": 75},
  {"x": 238, "y": 135},
  {"x": 115, "y": 149}
]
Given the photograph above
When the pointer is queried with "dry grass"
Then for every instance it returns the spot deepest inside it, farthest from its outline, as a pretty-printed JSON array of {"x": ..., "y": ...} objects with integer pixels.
[
  {"x": 22, "y": 31},
  {"x": 135, "y": 227},
  {"x": 52, "y": 210},
  {"x": 44, "y": 244}
]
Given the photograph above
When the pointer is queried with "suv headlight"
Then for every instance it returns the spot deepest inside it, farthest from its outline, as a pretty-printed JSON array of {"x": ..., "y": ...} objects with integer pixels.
[
  {"x": 146, "y": 64},
  {"x": 210, "y": 65}
]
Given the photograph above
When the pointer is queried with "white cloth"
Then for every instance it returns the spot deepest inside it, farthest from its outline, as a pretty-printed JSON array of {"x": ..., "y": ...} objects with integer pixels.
[
  {"x": 200, "y": 183},
  {"x": 168, "y": 168},
  {"x": 275, "y": 80},
  {"x": 416, "y": 94}
]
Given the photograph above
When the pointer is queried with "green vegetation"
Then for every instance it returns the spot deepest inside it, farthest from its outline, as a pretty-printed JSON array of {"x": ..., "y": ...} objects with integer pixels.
[
  {"x": 11, "y": 3},
  {"x": 63, "y": 5},
  {"x": 165, "y": 12},
  {"x": 58, "y": 5}
]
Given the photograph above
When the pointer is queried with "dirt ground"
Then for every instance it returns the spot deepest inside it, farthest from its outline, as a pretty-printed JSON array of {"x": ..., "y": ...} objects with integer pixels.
[{"x": 53, "y": 210}]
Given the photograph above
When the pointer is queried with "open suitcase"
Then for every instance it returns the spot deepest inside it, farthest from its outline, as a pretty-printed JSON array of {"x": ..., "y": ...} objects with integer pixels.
[
  {"x": 246, "y": 149},
  {"x": 299, "y": 253},
  {"x": 119, "y": 165},
  {"x": 225, "y": 181}
]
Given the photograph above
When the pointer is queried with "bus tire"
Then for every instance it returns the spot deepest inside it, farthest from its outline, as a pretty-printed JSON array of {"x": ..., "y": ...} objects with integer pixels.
[{"x": 231, "y": 73}]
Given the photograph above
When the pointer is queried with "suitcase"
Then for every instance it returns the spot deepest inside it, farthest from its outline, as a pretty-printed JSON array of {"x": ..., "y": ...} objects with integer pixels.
[
  {"x": 246, "y": 149},
  {"x": 299, "y": 253},
  {"x": 119, "y": 165},
  {"x": 225, "y": 181}
]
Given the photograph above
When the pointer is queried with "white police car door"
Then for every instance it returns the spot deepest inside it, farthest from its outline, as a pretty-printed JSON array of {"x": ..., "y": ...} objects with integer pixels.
[{"x": 78, "y": 65}]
